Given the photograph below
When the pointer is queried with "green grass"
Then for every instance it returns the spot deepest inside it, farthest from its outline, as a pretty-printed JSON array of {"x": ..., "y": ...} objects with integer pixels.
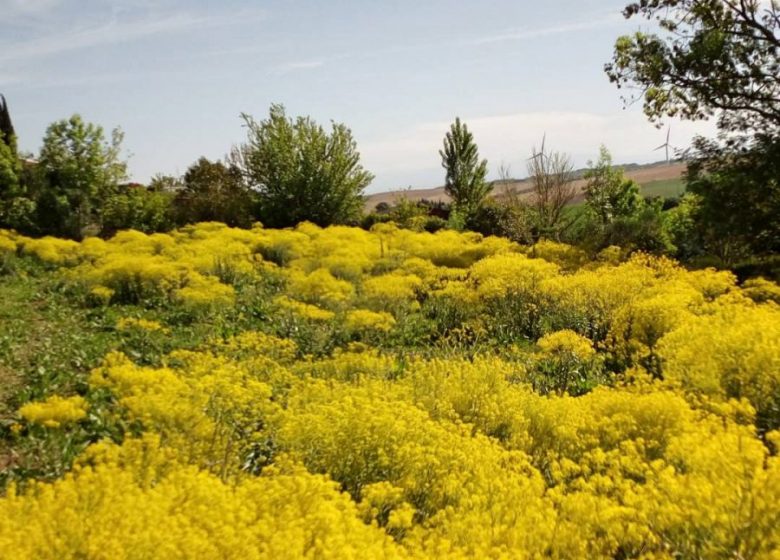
[
  {"x": 50, "y": 340},
  {"x": 666, "y": 188},
  {"x": 46, "y": 344}
]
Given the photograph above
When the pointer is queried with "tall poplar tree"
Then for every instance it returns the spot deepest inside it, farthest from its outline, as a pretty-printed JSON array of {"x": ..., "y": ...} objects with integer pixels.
[{"x": 465, "y": 180}]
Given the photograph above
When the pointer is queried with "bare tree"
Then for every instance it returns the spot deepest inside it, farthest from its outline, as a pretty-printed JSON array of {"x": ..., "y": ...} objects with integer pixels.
[{"x": 552, "y": 178}]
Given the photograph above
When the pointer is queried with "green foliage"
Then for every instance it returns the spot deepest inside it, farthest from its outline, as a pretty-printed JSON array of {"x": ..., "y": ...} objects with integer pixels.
[
  {"x": 504, "y": 219},
  {"x": 301, "y": 172},
  {"x": 739, "y": 197},
  {"x": 457, "y": 220},
  {"x": 683, "y": 228},
  {"x": 408, "y": 214},
  {"x": 7, "y": 133},
  {"x": 81, "y": 170},
  {"x": 714, "y": 58},
  {"x": 9, "y": 183},
  {"x": 139, "y": 208},
  {"x": 19, "y": 213},
  {"x": 567, "y": 364},
  {"x": 369, "y": 220},
  {"x": 214, "y": 192},
  {"x": 432, "y": 224},
  {"x": 608, "y": 193},
  {"x": 10, "y": 166},
  {"x": 465, "y": 180},
  {"x": 643, "y": 231},
  {"x": 169, "y": 183},
  {"x": 722, "y": 59}
]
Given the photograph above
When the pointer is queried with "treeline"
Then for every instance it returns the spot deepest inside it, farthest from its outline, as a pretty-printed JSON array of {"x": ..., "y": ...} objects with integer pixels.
[
  {"x": 287, "y": 171},
  {"x": 293, "y": 170},
  {"x": 614, "y": 213}
]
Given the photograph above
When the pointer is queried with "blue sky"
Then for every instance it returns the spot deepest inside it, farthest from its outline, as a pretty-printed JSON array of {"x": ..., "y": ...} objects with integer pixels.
[{"x": 175, "y": 75}]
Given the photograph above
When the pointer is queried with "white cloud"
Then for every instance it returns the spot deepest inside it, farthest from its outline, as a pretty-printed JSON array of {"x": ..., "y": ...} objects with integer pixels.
[
  {"x": 510, "y": 139},
  {"x": 530, "y": 33},
  {"x": 114, "y": 31},
  {"x": 508, "y": 35}
]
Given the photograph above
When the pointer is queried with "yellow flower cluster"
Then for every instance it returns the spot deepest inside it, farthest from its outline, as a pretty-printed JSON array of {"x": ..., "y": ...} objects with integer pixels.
[
  {"x": 55, "y": 411},
  {"x": 621, "y": 409},
  {"x": 732, "y": 352},
  {"x": 362, "y": 319},
  {"x": 138, "y": 501},
  {"x": 567, "y": 342},
  {"x": 50, "y": 249},
  {"x": 565, "y": 256},
  {"x": 7, "y": 242},
  {"x": 303, "y": 310},
  {"x": 131, "y": 323}
]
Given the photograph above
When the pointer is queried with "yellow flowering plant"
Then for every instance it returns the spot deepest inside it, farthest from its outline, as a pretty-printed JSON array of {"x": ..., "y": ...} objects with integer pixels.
[
  {"x": 400, "y": 394},
  {"x": 55, "y": 411}
]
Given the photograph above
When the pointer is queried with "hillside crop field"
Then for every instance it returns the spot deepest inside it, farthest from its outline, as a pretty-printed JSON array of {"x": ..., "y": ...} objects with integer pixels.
[
  {"x": 342, "y": 393},
  {"x": 658, "y": 179},
  {"x": 665, "y": 188}
]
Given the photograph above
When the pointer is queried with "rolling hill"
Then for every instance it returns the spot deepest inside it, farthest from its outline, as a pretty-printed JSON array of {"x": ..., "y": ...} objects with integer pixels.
[{"x": 656, "y": 179}]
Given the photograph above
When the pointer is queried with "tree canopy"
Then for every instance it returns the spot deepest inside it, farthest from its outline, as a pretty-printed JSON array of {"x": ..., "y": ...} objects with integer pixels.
[
  {"x": 609, "y": 194},
  {"x": 10, "y": 166},
  {"x": 710, "y": 58},
  {"x": 81, "y": 170},
  {"x": 301, "y": 172},
  {"x": 738, "y": 198},
  {"x": 721, "y": 59},
  {"x": 213, "y": 191}
]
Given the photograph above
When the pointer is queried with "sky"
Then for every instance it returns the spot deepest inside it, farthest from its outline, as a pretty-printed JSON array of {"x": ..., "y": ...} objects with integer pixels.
[{"x": 175, "y": 75}]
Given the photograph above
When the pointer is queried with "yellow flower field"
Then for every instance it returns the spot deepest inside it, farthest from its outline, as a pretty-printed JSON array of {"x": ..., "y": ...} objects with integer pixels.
[{"x": 396, "y": 394}]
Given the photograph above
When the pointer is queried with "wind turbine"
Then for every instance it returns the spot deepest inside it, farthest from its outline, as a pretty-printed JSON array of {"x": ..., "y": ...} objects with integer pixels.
[
  {"x": 540, "y": 153},
  {"x": 666, "y": 144}
]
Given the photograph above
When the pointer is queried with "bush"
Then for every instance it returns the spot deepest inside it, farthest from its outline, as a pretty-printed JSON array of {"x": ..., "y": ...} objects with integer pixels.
[
  {"x": 503, "y": 219},
  {"x": 214, "y": 192},
  {"x": 303, "y": 173},
  {"x": 137, "y": 208}
]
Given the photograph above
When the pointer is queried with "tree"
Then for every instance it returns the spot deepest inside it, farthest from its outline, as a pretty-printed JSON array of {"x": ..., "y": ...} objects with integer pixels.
[
  {"x": 681, "y": 223},
  {"x": 715, "y": 57},
  {"x": 137, "y": 207},
  {"x": 465, "y": 180},
  {"x": 17, "y": 209},
  {"x": 165, "y": 183},
  {"x": 552, "y": 179},
  {"x": 608, "y": 193},
  {"x": 504, "y": 218},
  {"x": 213, "y": 191},
  {"x": 645, "y": 230},
  {"x": 81, "y": 170},
  {"x": 738, "y": 208},
  {"x": 301, "y": 172},
  {"x": 6, "y": 126},
  {"x": 10, "y": 165}
]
